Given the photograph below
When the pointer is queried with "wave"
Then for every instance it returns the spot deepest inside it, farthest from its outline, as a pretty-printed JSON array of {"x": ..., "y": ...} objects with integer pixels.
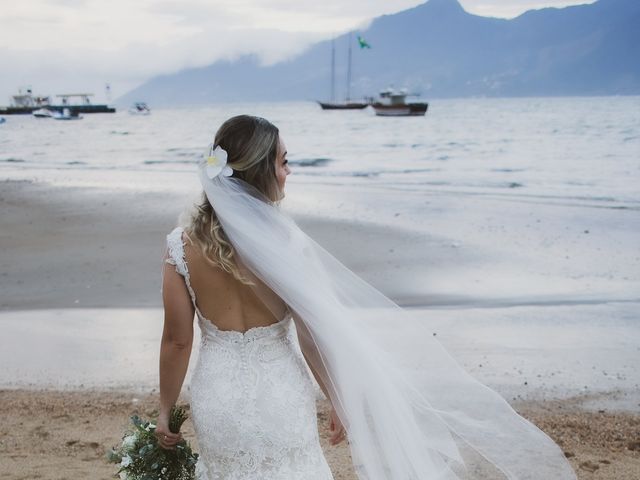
[
  {"x": 184, "y": 152},
  {"x": 508, "y": 170},
  {"x": 169, "y": 162},
  {"x": 311, "y": 162}
]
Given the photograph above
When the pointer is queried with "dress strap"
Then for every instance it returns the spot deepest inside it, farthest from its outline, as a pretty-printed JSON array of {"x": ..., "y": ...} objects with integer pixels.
[{"x": 175, "y": 248}]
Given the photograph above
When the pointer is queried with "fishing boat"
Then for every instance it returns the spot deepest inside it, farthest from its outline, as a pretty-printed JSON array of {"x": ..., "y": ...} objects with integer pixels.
[
  {"x": 139, "y": 108},
  {"x": 348, "y": 104},
  {"x": 393, "y": 103},
  {"x": 25, "y": 102}
]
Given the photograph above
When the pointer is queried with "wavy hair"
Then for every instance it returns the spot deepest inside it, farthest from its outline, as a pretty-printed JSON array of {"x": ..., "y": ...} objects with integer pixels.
[{"x": 252, "y": 146}]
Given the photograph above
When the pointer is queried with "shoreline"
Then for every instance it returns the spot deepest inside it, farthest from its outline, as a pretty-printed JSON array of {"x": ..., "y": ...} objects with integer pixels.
[{"x": 524, "y": 353}]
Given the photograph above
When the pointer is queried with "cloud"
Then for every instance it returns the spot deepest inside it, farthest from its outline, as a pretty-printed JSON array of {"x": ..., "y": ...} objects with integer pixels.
[{"x": 510, "y": 9}]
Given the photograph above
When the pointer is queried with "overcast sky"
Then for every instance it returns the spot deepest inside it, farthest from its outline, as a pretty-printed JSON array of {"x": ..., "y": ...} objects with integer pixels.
[{"x": 59, "y": 46}]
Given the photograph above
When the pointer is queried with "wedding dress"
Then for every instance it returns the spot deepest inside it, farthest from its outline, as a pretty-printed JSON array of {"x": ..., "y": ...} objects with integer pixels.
[{"x": 252, "y": 399}]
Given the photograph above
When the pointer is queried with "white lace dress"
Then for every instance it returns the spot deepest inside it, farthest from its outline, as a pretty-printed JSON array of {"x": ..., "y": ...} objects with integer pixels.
[{"x": 252, "y": 400}]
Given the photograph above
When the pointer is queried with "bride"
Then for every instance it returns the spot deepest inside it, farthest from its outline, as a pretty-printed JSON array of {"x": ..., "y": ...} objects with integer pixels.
[
  {"x": 253, "y": 403},
  {"x": 272, "y": 306}
]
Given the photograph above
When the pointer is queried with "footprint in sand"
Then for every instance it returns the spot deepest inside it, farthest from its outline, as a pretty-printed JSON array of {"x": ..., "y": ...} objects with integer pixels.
[
  {"x": 39, "y": 431},
  {"x": 589, "y": 466}
]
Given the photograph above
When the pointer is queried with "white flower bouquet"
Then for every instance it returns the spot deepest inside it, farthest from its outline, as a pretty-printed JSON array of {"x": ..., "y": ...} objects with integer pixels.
[{"x": 140, "y": 456}]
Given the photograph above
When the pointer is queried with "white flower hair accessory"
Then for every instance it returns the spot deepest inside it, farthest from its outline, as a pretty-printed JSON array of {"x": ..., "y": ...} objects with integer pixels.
[{"x": 216, "y": 158}]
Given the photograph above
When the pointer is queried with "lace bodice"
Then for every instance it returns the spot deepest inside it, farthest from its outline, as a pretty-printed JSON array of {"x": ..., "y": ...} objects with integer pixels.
[{"x": 252, "y": 399}]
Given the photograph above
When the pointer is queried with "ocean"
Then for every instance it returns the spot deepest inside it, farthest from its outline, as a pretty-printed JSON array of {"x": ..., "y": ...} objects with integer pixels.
[
  {"x": 575, "y": 150},
  {"x": 511, "y": 225}
]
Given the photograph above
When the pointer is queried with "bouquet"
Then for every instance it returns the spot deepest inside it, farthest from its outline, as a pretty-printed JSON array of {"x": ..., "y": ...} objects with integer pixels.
[{"x": 142, "y": 458}]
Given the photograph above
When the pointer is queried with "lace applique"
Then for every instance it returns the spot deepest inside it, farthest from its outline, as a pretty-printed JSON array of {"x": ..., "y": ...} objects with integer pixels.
[
  {"x": 253, "y": 408},
  {"x": 175, "y": 247}
]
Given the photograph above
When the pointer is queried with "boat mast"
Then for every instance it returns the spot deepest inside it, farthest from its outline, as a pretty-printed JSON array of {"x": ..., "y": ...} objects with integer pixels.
[
  {"x": 333, "y": 69},
  {"x": 349, "y": 72}
]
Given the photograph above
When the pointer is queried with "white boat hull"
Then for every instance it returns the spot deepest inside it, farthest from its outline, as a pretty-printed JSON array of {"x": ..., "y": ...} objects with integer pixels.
[{"x": 42, "y": 113}]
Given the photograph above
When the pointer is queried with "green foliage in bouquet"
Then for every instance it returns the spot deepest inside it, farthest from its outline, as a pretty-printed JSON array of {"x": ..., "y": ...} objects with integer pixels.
[{"x": 142, "y": 458}]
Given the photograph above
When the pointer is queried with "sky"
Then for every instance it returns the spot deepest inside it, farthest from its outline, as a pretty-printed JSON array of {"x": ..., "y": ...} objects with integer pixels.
[{"x": 77, "y": 46}]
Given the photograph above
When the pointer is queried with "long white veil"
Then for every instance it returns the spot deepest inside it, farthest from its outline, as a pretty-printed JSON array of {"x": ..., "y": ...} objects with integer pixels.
[{"x": 410, "y": 411}]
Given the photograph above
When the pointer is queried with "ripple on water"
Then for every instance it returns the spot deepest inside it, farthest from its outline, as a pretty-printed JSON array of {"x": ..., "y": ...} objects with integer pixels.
[
  {"x": 311, "y": 162},
  {"x": 172, "y": 161},
  {"x": 507, "y": 170}
]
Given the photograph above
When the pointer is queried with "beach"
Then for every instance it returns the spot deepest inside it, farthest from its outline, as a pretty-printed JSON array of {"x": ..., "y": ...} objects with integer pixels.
[
  {"x": 52, "y": 435},
  {"x": 81, "y": 317}
]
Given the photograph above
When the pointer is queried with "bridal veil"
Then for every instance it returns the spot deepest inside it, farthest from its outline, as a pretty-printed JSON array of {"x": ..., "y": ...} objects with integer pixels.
[{"x": 411, "y": 412}]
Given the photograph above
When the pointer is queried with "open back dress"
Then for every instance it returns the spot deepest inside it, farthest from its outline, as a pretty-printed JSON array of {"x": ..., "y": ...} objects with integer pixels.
[{"x": 253, "y": 403}]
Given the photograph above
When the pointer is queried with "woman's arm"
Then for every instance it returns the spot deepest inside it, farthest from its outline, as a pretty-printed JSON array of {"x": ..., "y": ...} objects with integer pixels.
[
  {"x": 310, "y": 351},
  {"x": 175, "y": 348}
]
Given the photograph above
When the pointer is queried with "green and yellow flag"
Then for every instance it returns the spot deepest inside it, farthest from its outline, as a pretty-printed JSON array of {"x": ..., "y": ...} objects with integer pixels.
[{"x": 363, "y": 43}]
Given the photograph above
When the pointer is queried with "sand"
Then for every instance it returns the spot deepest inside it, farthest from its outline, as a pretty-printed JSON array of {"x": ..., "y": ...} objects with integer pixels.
[
  {"x": 80, "y": 277},
  {"x": 56, "y": 435}
]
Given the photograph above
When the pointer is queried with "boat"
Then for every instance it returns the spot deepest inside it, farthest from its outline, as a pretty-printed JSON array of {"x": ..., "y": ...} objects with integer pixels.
[
  {"x": 139, "y": 108},
  {"x": 42, "y": 113},
  {"x": 82, "y": 105},
  {"x": 393, "y": 103},
  {"x": 26, "y": 103},
  {"x": 343, "y": 105},
  {"x": 348, "y": 104},
  {"x": 66, "y": 114}
]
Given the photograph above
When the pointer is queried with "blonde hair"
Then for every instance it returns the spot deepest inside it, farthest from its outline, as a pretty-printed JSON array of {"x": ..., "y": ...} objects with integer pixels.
[{"x": 252, "y": 146}]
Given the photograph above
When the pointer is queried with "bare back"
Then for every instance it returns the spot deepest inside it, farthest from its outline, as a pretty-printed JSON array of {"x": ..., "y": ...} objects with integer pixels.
[{"x": 225, "y": 301}]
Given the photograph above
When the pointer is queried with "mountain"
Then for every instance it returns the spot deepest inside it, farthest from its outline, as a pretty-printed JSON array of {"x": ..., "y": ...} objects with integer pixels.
[{"x": 439, "y": 50}]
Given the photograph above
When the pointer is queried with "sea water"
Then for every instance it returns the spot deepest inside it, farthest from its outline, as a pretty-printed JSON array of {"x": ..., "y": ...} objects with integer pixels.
[
  {"x": 545, "y": 190},
  {"x": 529, "y": 209},
  {"x": 550, "y": 149}
]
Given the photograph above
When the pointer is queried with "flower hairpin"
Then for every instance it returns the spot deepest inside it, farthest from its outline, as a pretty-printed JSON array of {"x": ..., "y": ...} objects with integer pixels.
[{"x": 216, "y": 159}]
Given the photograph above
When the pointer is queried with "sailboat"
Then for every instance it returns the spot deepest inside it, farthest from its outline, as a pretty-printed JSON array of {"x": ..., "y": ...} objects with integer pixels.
[{"x": 348, "y": 104}]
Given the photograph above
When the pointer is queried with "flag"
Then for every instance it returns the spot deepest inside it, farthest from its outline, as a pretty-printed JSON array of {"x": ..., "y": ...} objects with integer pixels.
[{"x": 363, "y": 43}]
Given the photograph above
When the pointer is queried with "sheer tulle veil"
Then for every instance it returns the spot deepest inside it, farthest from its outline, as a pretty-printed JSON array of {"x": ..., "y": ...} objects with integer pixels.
[{"x": 410, "y": 411}]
